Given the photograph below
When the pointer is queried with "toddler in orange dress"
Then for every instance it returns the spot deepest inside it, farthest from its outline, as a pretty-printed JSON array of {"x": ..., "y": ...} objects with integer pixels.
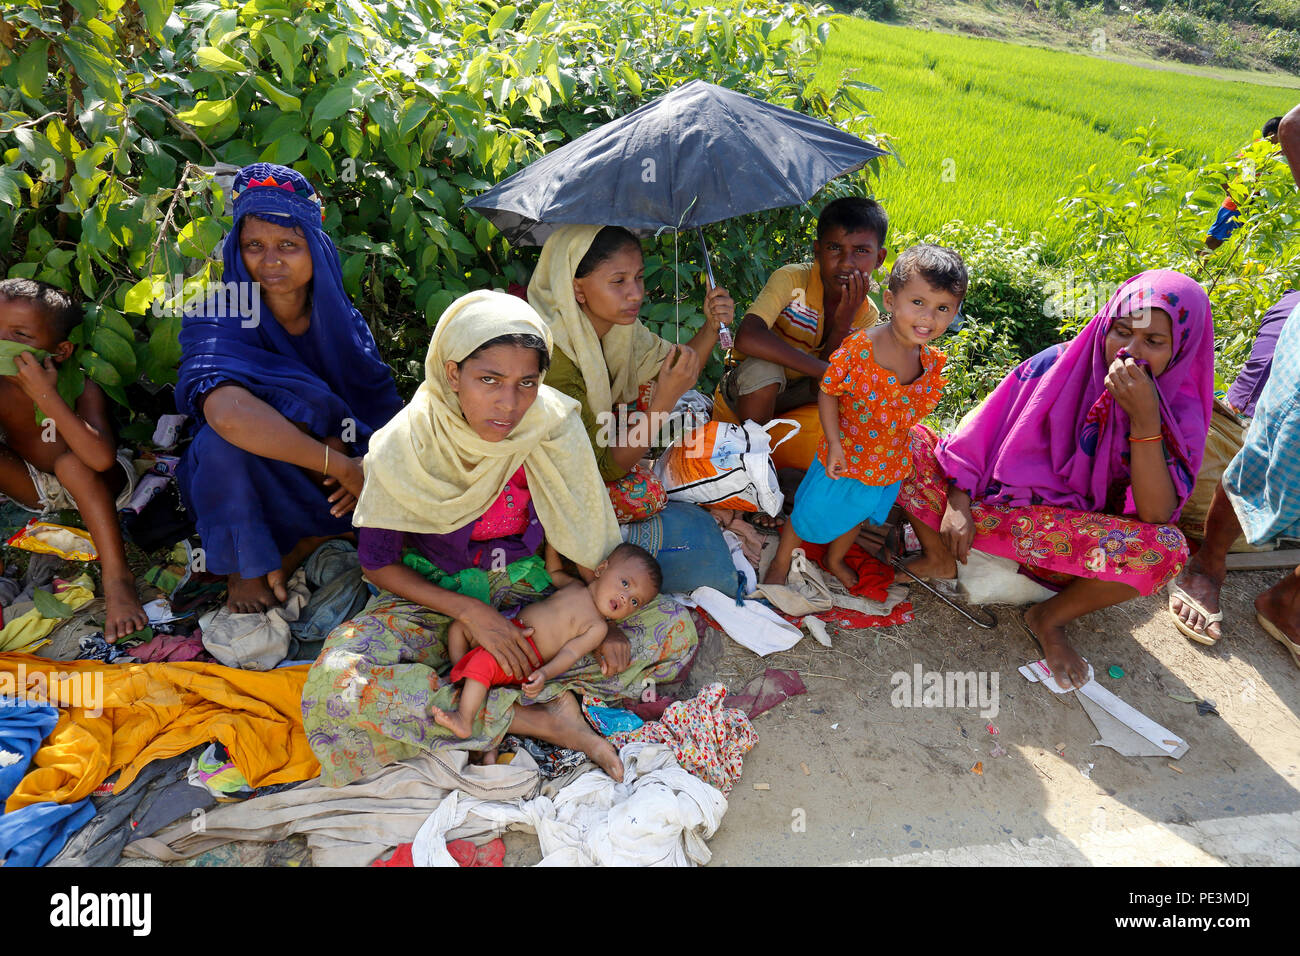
[{"x": 881, "y": 381}]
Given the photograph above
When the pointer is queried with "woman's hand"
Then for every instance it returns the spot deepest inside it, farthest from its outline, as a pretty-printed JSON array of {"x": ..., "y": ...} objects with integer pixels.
[
  {"x": 615, "y": 653},
  {"x": 957, "y": 529},
  {"x": 344, "y": 482},
  {"x": 1135, "y": 392},
  {"x": 719, "y": 307},
  {"x": 502, "y": 639},
  {"x": 680, "y": 371}
]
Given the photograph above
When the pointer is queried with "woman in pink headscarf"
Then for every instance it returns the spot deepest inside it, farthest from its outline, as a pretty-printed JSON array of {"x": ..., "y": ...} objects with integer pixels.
[{"x": 1079, "y": 462}]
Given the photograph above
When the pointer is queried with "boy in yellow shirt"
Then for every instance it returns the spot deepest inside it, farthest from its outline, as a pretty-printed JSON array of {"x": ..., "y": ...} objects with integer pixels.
[{"x": 785, "y": 340}]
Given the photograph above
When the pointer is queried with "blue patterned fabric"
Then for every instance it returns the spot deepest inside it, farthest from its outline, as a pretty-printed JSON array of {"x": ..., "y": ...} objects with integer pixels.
[{"x": 1263, "y": 480}]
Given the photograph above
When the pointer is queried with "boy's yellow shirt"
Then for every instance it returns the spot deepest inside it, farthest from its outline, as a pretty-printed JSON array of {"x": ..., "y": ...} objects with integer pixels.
[{"x": 791, "y": 305}]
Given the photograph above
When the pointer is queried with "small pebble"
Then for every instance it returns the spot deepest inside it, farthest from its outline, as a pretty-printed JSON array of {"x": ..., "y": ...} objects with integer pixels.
[{"x": 762, "y": 786}]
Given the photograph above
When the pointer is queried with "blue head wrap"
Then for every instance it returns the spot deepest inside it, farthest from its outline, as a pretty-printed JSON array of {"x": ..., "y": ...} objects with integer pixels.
[{"x": 321, "y": 378}]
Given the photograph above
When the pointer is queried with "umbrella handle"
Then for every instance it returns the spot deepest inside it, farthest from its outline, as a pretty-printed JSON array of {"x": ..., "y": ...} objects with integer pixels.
[{"x": 724, "y": 333}]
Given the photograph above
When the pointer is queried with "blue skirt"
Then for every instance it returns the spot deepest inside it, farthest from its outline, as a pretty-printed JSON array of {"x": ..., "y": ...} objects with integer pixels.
[
  {"x": 825, "y": 507},
  {"x": 250, "y": 511}
]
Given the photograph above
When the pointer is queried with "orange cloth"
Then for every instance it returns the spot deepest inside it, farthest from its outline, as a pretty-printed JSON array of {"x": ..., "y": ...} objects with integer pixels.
[
  {"x": 154, "y": 711},
  {"x": 876, "y": 412}
]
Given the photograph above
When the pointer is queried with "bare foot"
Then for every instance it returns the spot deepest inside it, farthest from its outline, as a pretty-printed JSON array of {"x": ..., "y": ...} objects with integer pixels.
[
  {"x": 125, "y": 614},
  {"x": 844, "y": 573},
  {"x": 561, "y": 722},
  {"x": 777, "y": 572},
  {"x": 929, "y": 567},
  {"x": 249, "y": 595},
  {"x": 275, "y": 581},
  {"x": 1280, "y": 606},
  {"x": 766, "y": 522},
  {"x": 1203, "y": 587},
  {"x": 1068, "y": 668},
  {"x": 454, "y": 721}
]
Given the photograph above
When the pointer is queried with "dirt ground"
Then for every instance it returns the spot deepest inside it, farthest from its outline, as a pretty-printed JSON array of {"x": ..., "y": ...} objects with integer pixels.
[
  {"x": 885, "y": 782},
  {"x": 841, "y": 776}
]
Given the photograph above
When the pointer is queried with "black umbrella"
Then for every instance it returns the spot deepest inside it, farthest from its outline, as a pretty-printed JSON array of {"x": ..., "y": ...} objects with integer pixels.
[{"x": 696, "y": 155}]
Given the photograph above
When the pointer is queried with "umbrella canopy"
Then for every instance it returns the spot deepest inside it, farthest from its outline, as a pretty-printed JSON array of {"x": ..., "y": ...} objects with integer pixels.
[{"x": 696, "y": 155}]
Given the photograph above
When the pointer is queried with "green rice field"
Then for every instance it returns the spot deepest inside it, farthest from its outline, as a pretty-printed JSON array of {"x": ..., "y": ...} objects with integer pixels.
[{"x": 991, "y": 130}]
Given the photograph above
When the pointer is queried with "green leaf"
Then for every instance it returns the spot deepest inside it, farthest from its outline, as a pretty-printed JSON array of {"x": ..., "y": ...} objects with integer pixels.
[
  {"x": 33, "y": 68},
  {"x": 540, "y": 18},
  {"x": 437, "y": 304},
  {"x": 413, "y": 113},
  {"x": 11, "y": 350},
  {"x": 12, "y": 182},
  {"x": 208, "y": 112},
  {"x": 97, "y": 70},
  {"x": 141, "y": 295},
  {"x": 503, "y": 17},
  {"x": 289, "y": 104},
  {"x": 117, "y": 351},
  {"x": 47, "y": 605},
  {"x": 336, "y": 54},
  {"x": 199, "y": 237},
  {"x": 210, "y": 58},
  {"x": 286, "y": 150},
  {"x": 155, "y": 13},
  {"x": 334, "y": 103}
]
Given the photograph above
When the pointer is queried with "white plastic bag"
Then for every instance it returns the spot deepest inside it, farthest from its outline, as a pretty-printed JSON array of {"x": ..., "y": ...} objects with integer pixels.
[{"x": 726, "y": 466}]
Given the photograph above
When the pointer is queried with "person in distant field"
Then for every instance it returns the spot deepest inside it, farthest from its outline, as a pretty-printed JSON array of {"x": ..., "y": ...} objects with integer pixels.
[{"x": 1228, "y": 220}]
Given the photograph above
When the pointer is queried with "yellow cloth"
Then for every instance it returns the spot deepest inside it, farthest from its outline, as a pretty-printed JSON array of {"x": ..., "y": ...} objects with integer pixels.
[
  {"x": 614, "y": 368},
  {"x": 791, "y": 305},
  {"x": 428, "y": 472},
  {"x": 27, "y": 629},
  {"x": 155, "y": 711}
]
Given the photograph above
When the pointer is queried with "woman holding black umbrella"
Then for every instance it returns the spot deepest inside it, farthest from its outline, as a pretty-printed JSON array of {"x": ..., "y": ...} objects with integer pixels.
[{"x": 588, "y": 287}]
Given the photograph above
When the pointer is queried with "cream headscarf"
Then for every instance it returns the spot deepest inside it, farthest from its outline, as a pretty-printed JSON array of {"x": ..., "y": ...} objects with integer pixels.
[
  {"x": 613, "y": 368},
  {"x": 428, "y": 472}
]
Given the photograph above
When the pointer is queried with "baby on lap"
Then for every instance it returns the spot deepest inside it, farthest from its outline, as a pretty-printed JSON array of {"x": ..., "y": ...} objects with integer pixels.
[{"x": 566, "y": 626}]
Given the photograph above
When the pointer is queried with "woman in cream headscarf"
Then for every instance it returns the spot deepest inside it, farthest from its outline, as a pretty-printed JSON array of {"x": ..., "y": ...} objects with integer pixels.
[
  {"x": 589, "y": 286},
  {"x": 460, "y": 489}
]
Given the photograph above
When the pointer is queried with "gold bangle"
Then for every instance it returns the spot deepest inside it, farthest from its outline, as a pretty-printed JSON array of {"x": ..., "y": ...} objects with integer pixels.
[
  {"x": 325, "y": 472},
  {"x": 1152, "y": 438}
]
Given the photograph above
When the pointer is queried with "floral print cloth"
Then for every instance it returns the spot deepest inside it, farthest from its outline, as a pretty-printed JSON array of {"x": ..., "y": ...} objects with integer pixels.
[
  {"x": 707, "y": 740},
  {"x": 876, "y": 411},
  {"x": 1051, "y": 542}
]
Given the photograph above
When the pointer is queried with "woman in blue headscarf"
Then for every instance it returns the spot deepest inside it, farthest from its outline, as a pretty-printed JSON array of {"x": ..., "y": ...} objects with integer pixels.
[{"x": 284, "y": 381}]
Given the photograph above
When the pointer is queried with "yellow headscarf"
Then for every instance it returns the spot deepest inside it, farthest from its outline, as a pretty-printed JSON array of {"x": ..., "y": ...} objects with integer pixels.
[
  {"x": 428, "y": 472},
  {"x": 613, "y": 368}
]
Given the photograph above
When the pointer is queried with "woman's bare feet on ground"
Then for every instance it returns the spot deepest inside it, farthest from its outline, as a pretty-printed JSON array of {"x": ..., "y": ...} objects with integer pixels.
[
  {"x": 249, "y": 595},
  {"x": 1202, "y": 587},
  {"x": 1068, "y": 668},
  {"x": 565, "y": 726},
  {"x": 125, "y": 615},
  {"x": 931, "y": 567},
  {"x": 453, "y": 721}
]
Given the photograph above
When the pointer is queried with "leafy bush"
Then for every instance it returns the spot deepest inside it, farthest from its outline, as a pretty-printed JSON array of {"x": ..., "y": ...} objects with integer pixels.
[
  {"x": 1007, "y": 309},
  {"x": 1158, "y": 218},
  {"x": 113, "y": 114}
]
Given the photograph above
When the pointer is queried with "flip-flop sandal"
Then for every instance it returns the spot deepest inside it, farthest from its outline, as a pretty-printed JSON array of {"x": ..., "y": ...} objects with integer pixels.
[
  {"x": 767, "y": 529},
  {"x": 1277, "y": 634},
  {"x": 1200, "y": 637}
]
